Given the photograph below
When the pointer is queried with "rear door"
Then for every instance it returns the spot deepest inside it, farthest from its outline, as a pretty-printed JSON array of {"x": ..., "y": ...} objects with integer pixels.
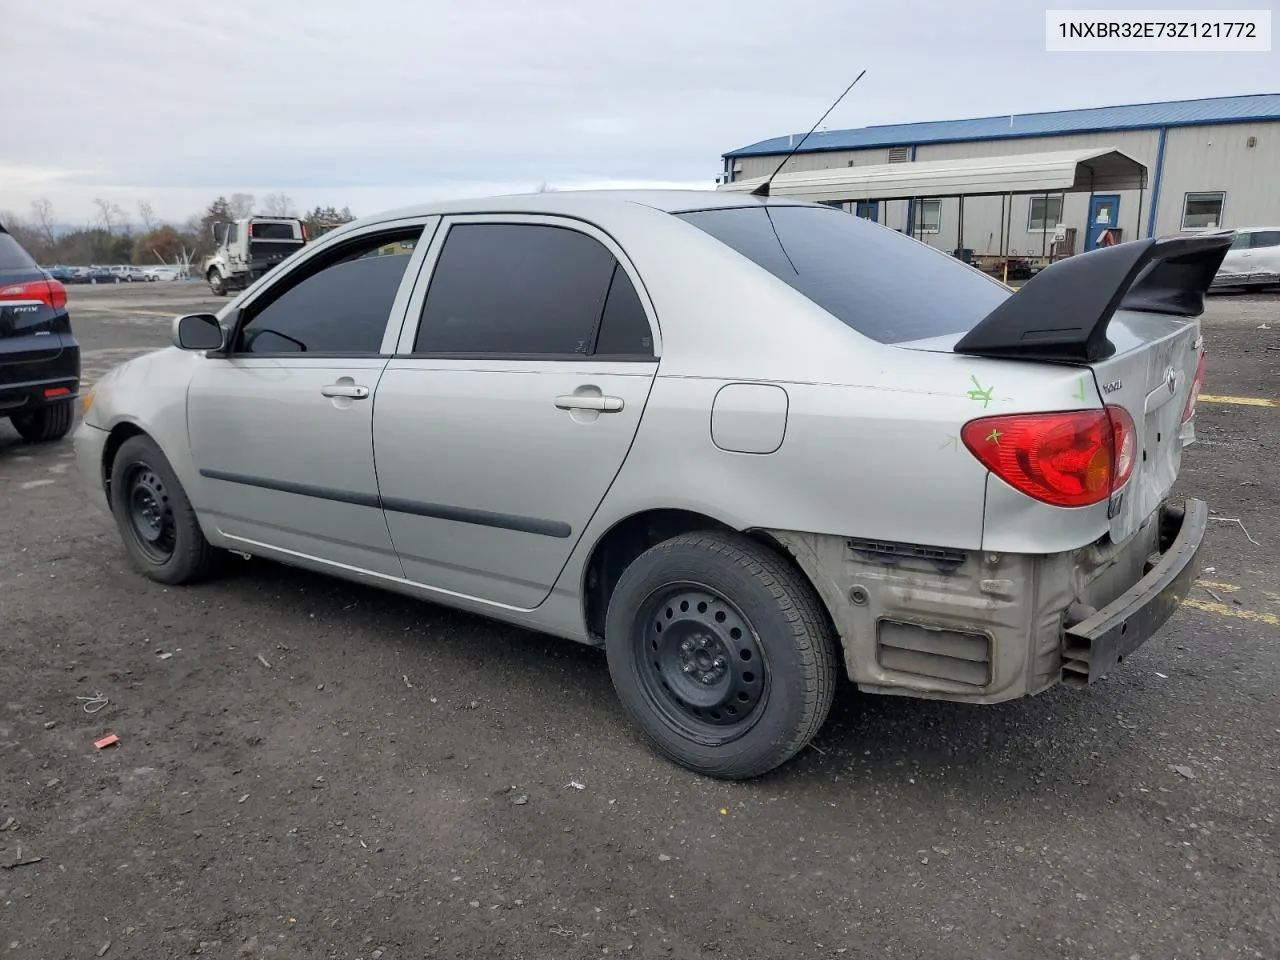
[
  {"x": 511, "y": 404},
  {"x": 1265, "y": 248},
  {"x": 1150, "y": 375}
]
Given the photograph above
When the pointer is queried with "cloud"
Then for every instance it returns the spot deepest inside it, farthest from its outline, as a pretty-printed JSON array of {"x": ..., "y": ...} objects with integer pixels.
[{"x": 388, "y": 99}]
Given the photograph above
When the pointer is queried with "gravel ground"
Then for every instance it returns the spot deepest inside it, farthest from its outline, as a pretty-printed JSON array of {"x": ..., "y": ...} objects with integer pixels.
[{"x": 312, "y": 769}]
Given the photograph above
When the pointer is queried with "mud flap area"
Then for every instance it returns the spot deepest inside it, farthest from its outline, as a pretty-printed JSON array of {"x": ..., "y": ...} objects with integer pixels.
[{"x": 1095, "y": 645}]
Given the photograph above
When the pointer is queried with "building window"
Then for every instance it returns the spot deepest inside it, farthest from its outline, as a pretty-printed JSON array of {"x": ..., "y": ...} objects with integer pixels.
[
  {"x": 1201, "y": 211},
  {"x": 1045, "y": 213},
  {"x": 928, "y": 216}
]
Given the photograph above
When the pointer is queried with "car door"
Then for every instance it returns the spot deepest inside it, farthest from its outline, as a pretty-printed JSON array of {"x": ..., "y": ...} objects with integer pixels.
[
  {"x": 281, "y": 426},
  {"x": 1265, "y": 249},
  {"x": 511, "y": 403}
]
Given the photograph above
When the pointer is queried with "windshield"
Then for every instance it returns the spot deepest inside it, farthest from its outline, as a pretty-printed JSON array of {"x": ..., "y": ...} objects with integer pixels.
[{"x": 881, "y": 283}]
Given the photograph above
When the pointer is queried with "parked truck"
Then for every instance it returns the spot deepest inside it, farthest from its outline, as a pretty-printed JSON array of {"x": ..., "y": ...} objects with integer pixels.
[{"x": 248, "y": 248}]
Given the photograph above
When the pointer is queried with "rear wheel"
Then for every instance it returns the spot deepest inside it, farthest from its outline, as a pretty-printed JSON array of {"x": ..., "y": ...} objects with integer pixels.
[
  {"x": 161, "y": 533},
  {"x": 46, "y": 424},
  {"x": 721, "y": 653}
]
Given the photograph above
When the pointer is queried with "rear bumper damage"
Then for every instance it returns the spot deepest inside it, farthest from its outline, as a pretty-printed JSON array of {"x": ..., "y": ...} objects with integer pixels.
[{"x": 985, "y": 627}]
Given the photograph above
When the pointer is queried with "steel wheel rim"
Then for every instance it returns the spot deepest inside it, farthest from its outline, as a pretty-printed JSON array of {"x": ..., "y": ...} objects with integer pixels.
[
  {"x": 150, "y": 514},
  {"x": 700, "y": 663}
]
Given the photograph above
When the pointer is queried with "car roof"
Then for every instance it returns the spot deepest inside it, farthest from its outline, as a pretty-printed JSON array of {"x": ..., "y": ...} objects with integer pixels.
[{"x": 586, "y": 202}]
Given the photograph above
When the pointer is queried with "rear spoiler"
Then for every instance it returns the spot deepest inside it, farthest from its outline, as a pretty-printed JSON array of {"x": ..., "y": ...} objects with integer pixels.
[{"x": 1062, "y": 313}]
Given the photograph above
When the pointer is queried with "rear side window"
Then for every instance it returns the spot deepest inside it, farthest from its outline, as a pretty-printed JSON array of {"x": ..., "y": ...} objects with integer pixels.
[
  {"x": 881, "y": 283},
  {"x": 515, "y": 289},
  {"x": 12, "y": 256},
  {"x": 1266, "y": 238},
  {"x": 624, "y": 328}
]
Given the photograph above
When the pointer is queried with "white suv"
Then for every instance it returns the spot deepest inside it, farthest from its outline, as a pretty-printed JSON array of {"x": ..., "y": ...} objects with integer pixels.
[{"x": 1253, "y": 260}]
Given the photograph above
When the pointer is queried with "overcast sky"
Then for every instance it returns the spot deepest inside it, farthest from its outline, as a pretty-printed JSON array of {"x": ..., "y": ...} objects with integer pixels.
[{"x": 378, "y": 103}]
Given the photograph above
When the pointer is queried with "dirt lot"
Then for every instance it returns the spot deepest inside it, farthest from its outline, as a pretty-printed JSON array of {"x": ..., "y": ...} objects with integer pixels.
[{"x": 360, "y": 796}]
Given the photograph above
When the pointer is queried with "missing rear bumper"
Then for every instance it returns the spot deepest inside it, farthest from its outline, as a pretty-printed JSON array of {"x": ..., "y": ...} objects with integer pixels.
[{"x": 1092, "y": 647}]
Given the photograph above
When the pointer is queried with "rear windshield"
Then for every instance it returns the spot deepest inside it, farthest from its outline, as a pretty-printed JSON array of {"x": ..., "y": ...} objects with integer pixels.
[
  {"x": 12, "y": 256},
  {"x": 274, "y": 231},
  {"x": 880, "y": 282}
]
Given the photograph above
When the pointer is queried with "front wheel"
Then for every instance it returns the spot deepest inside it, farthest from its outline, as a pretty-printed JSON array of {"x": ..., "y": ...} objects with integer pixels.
[
  {"x": 161, "y": 533},
  {"x": 721, "y": 653},
  {"x": 46, "y": 424},
  {"x": 217, "y": 284}
]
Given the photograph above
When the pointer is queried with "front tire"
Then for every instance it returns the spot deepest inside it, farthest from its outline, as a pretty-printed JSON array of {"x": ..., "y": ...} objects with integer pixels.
[
  {"x": 217, "y": 284},
  {"x": 157, "y": 523},
  {"x": 46, "y": 424},
  {"x": 721, "y": 653}
]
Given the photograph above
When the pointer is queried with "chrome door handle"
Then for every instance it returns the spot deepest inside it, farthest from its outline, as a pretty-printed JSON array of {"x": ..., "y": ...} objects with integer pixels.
[
  {"x": 576, "y": 401},
  {"x": 349, "y": 390}
]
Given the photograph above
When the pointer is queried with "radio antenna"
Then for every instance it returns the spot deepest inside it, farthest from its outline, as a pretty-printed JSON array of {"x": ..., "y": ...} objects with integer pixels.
[{"x": 763, "y": 189}]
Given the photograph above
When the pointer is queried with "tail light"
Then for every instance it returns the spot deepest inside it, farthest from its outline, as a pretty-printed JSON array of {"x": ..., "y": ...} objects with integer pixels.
[
  {"x": 248, "y": 230},
  {"x": 49, "y": 292},
  {"x": 1196, "y": 386},
  {"x": 1071, "y": 458}
]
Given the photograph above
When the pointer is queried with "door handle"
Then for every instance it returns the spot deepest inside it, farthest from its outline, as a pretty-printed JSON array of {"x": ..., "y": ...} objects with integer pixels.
[
  {"x": 577, "y": 401},
  {"x": 349, "y": 390}
]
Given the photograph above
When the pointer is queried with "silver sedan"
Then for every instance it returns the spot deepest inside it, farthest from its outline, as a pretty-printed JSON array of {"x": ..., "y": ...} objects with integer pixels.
[{"x": 737, "y": 442}]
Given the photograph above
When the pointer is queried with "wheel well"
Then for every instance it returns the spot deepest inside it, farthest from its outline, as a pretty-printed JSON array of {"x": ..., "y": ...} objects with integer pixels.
[
  {"x": 119, "y": 434},
  {"x": 629, "y": 538}
]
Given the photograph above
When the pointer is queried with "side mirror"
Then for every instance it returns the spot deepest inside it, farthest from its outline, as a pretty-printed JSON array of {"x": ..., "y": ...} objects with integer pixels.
[{"x": 197, "y": 331}]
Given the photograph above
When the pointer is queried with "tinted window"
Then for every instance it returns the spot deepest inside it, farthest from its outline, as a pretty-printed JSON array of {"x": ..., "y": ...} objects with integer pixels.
[
  {"x": 1266, "y": 238},
  {"x": 507, "y": 288},
  {"x": 12, "y": 256},
  {"x": 624, "y": 328},
  {"x": 1241, "y": 242},
  {"x": 881, "y": 283},
  {"x": 272, "y": 231},
  {"x": 342, "y": 308}
]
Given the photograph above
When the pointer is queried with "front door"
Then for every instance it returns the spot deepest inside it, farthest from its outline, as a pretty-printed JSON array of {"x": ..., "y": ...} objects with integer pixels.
[
  {"x": 282, "y": 427},
  {"x": 510, "y": 409},
  {"x": 1104, "y": 215}
]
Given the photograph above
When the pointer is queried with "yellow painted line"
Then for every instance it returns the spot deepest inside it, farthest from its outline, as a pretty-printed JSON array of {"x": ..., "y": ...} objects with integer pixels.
[
  {"x": 1224, "y": 587},
  {"x": 1270, "y": 619},
  {"x": 1242, "y": 401}
]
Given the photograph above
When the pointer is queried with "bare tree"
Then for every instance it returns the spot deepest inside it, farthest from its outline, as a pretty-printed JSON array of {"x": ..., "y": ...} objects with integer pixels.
[
  {"x": 241, "y": 205},
  {"x": 545, "y": 187},
  {"x": 106, "y": 217},
  {"x": 278, "y": 204},
  {"x": 147, "y": 215},
  {"x": 119, "y": 216},
  {"x": 42, "y": 210}
]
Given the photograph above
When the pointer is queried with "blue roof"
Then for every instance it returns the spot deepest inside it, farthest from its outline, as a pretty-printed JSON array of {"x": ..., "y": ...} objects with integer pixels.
[{"x": 1134, "y": 116}]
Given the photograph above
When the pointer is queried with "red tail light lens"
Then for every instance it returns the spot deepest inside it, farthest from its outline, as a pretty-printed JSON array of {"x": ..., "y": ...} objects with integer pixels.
[
  {"x": 1196, "y": 386},
  {"x": 1071, "y": 458},
  {"x": 49, "y": 292}
]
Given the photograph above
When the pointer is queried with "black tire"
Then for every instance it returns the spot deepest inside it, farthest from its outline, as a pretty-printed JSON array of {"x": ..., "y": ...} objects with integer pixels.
[
  {"x": 217, "y": 284},
  {"x": 46, "y": 424},
  {"x": 160, "y": 531},
  {"x": 751, "y": 623}
]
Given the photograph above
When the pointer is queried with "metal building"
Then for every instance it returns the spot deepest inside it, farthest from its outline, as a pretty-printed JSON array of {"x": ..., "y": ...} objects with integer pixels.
[{"x": 1212, "y": 162}]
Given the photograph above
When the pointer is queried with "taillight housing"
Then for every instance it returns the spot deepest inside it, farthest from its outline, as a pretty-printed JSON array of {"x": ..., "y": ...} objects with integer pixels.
[
  {"x": 49, "y": 292},
  {"x": 1197, "y": 385},
  {"x": 1070, "y": 458}
]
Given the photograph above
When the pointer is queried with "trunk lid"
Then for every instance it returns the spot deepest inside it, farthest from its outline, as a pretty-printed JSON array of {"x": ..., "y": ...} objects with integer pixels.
[{"x": 1150, "y": 375}]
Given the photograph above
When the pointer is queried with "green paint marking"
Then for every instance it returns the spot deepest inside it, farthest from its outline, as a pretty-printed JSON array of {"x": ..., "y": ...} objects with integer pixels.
[
  {"x": 978, "y": 393},
  {"x": 994, "y": 437},
  {"x": 1079, "y": 394}
]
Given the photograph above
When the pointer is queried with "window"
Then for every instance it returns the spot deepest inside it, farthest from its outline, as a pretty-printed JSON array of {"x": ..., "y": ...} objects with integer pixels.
[
  {"x": 1201, "y": 211},
  {"x": 336, "y": 304},
  {"x": 1266, "y": 238},
  {"x": 876, "y": 280},
  {"x": 12, "y": 256},
  {"x": 624, "y": 327},
  {"x": 272, "y": 231},
  {"x": 521, "y": 289},
  {"x": 1045, "y": 213},
  {"x": 233, "y": 232},
  {"x": 928, "y": 216},
  {"x": 1241, "y": 242}
]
